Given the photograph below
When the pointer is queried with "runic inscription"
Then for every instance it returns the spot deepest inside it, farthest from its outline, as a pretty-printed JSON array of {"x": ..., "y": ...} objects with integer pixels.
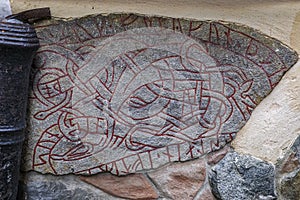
[{"x": 125, "y": 93}]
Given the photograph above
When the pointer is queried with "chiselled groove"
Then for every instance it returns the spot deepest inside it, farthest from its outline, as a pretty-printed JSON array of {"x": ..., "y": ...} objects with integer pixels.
[{"x": 125, "y": 93}]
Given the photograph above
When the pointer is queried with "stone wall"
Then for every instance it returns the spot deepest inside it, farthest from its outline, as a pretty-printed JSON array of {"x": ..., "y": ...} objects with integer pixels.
[{"x": 262, "y": 162}]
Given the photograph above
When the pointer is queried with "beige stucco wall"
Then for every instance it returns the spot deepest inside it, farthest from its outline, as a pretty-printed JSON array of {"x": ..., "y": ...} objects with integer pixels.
[{"x": 275, "y": 123}]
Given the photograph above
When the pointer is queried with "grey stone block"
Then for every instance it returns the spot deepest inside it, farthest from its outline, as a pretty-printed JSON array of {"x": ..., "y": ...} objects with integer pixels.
[
  {"x": 238, "y": 177},
  {"x": 288, "y": 173},
  {"x": 36, "y": 186}
]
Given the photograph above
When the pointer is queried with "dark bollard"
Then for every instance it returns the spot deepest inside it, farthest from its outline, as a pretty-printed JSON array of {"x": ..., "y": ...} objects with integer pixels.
[{"x": 18, "y": 44}]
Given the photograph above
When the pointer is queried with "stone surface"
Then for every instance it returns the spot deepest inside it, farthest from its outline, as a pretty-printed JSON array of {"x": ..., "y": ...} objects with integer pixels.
[
  {"x": 125, "y": 93},
  {"x": 275, "y": 126},
  {"x": 214, "y": 157},
  {"x": 134, "y": 186},
  {"x": 291, "y": 161},
  {"x": 283, "y": 25},
  {"x": 291, "y": 164},
  {"x": 289, "y": 188},
  {"x": 288, "y": 173},
  {"x": 238, "y": 177},
  {"x": 279, "y": 19},
  {"x": 180, "y": 180},
  {"x": 205, "y": 194},
  {"x": 5, "y": 9},
  {"x": 47, "y": 187},
  {"x": 295, "y": 33}
]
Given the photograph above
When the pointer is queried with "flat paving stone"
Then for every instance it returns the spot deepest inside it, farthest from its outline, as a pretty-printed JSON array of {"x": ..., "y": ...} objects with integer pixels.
[{"x": 124, "y": 93}]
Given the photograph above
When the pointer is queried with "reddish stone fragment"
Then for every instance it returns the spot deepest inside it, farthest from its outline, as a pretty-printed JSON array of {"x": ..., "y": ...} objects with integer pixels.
[
  {"x": 134, "y": 186},
  {"x": 214, "y": 157},
  {"x": 290, "y": 164},
  {"x": 181, "y": 180}
]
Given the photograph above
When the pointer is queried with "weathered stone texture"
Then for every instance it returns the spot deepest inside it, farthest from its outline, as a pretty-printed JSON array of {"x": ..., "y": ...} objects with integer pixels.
[
  {"x": 4, "y": 8},
  {"x": 291, "y": 163},
  {"x": 289, "y": 188},
  {"x": 180, "y": 180},
  {"x": 239, "y": 177},
  {"x": 214, "y": 157},
  {"x": 293, "y": 157},
  {"x": 205, "y": 194},
  {"x": 134, "y": 186},
  {"x": 126, "y": 93},
  {"x": 47, "y": 187},
  {"x": 275, "y": 126},
  {"x": 288, "y": 173},
  {"x": 283, "y": 25}
]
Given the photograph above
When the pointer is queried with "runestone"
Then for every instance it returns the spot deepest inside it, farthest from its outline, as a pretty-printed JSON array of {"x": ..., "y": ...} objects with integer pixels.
[{"x": 124, "y": 93}]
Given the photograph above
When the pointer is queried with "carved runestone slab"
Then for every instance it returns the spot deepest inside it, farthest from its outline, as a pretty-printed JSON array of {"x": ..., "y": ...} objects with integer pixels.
[{"x": 124, "y": 93}]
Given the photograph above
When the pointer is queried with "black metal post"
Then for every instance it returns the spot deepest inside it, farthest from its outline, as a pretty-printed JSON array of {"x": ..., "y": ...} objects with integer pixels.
[{"x": 18, "y": 44}]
